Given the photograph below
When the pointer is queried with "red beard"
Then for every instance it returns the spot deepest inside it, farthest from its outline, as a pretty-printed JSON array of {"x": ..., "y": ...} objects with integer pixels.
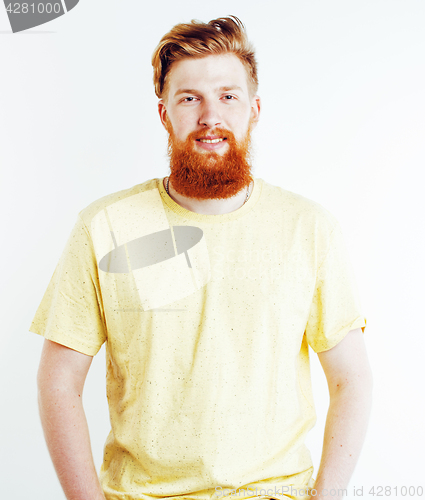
[{"x": 209, "y": 175}]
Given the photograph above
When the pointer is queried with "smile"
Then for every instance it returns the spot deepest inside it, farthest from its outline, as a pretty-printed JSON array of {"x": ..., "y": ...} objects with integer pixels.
[{"x": 210, "y": 141}]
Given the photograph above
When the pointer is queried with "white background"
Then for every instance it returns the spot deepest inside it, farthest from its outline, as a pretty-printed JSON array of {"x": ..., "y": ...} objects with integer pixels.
[{"x": 342, "y": 86}]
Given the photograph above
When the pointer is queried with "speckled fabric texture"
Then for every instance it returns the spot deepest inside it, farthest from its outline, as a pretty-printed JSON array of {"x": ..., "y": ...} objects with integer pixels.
[{"x": 207, "y": 321}]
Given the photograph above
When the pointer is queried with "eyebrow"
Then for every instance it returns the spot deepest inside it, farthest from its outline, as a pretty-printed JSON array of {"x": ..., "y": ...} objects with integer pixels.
[{"x": 226, "y": 88}]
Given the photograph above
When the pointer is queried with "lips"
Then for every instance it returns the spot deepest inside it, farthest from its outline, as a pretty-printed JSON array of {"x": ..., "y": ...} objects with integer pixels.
[
  {"x": 212, "y": 143},
  {"x": 211, "y": 140}
]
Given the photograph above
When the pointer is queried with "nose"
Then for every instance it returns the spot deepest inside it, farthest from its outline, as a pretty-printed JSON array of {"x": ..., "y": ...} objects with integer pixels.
[{"x": 209, "y": 114}]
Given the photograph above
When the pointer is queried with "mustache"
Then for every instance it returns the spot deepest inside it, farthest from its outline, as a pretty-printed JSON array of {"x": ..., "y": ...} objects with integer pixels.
[{"x": 216, "y": 132}]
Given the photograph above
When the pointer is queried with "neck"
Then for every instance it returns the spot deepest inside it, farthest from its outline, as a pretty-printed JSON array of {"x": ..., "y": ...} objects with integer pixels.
[{"x": 209, "y": 206}]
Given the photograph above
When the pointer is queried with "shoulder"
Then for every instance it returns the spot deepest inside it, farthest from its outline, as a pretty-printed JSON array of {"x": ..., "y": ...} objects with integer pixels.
[
  {"x": 88, "y": 213},
  {"x": 296, "y": 208}
]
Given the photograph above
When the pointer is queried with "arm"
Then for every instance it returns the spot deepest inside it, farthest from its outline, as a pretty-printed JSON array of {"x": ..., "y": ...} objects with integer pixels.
[
  {"x": 349, "y": 378},
  {"x": 61, "y": 376}
]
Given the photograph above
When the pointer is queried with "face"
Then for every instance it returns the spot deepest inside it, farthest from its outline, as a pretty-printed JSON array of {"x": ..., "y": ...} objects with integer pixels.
[
  {"x": 209, "y": 113},
  {"x": 208, "y": 94}
]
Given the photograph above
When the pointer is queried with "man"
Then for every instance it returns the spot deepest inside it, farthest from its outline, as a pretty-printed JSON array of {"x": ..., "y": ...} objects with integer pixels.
[{"x": 207, "y": 287}]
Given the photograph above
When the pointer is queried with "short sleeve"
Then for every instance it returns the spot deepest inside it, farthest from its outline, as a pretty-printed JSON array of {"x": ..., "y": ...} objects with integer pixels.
[
  {"x": 335, "y": 307},
  {"x": 71, "y": 311}
]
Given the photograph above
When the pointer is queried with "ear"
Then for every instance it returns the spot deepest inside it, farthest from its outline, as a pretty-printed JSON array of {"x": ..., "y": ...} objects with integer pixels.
[
  {"x": 255, "y": 110},
  {"x": 162, "y": 110}
]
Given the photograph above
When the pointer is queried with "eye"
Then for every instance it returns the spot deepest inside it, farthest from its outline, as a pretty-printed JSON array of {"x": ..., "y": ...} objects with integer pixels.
[
  {"x": 229, "y": 97},
  {"x": 189, "y": 99}
]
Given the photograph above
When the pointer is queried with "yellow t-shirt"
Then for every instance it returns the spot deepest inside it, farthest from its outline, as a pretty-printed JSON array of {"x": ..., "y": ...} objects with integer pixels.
[{"x": 207, "y": 321}]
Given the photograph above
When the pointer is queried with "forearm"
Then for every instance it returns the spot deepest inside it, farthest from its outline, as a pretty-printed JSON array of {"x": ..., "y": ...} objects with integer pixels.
[
  {"x": 345, "y": 430},
  {"x": 67, "y": 437}
]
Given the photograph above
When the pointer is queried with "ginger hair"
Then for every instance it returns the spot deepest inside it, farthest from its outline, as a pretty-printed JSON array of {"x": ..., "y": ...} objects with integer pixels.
[{"x": 225, "y": 35}]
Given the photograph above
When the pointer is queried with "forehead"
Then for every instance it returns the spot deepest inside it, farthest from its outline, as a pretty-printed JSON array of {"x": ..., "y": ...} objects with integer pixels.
[{"x": 207, "y": 73}]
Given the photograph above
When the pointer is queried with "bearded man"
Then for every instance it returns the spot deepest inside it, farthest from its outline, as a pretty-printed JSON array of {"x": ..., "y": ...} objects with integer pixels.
[{"x": 207, "y": 287}]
